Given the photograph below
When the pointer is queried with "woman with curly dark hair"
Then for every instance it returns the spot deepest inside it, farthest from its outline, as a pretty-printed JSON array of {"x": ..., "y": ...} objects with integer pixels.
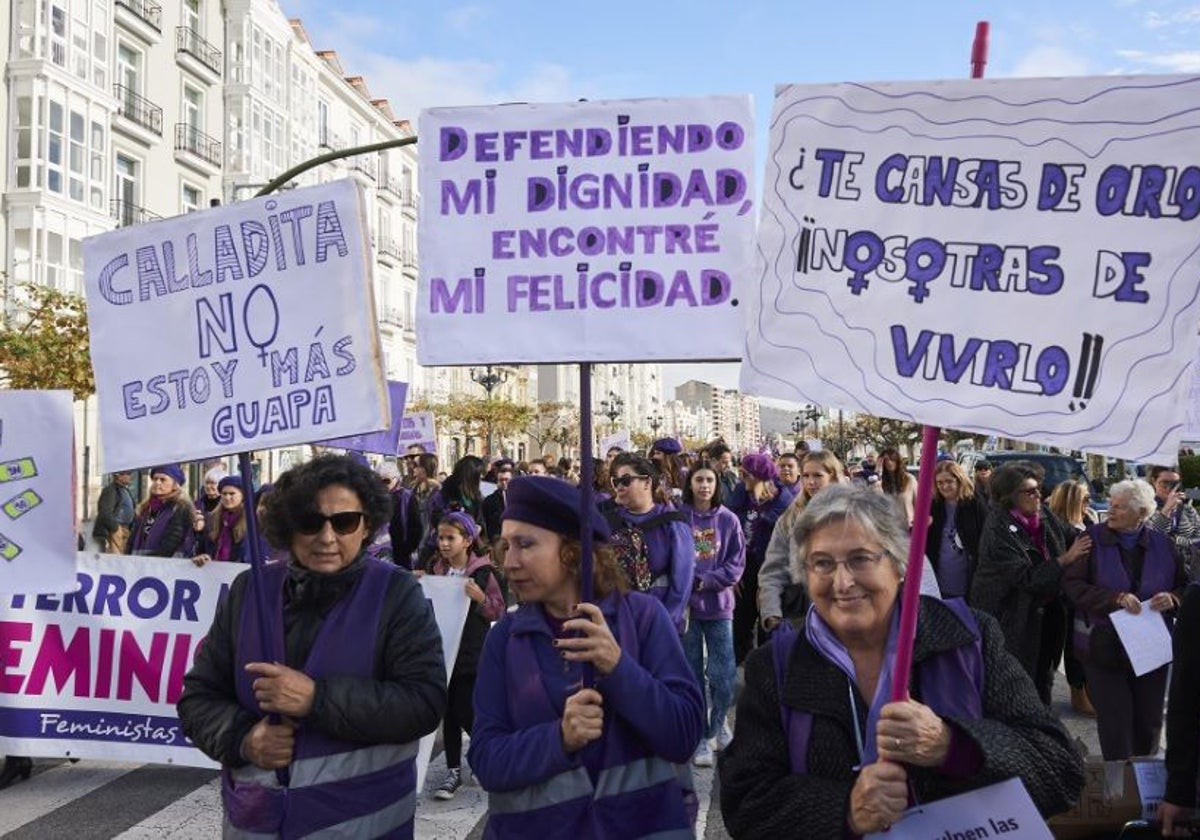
[{"x": 329, "y": 737}]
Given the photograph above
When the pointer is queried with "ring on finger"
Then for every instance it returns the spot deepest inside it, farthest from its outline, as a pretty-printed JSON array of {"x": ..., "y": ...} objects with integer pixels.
[{"x": 897, "y": 744}]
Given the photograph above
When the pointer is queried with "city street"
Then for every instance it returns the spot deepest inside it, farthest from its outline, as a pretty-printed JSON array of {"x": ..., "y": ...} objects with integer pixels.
[{"x": 92, "y": 800}]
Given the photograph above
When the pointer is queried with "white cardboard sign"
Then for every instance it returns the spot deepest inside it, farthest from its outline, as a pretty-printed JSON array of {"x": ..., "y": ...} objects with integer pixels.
[
  {"x": 417, "y": 429},
  {"x": 1012, "y": 257},
  {"x": 585, "y": 231},
  {"x": 1000, "y": 810},
  {"x": 243, "y": 327},
  {"x": 37, "y": 509}
]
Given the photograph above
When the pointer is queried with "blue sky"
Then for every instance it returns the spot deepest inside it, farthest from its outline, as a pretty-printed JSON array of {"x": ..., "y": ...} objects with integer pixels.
[{"x": 421, "y": 54}]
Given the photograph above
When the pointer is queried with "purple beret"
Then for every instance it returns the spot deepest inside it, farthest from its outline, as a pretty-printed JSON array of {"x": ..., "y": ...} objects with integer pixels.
[
  {"x": 667, "y": 445},
  {"x": 464, "y": 522},
  {"x": 170, "y": 470},
  {"x": 234, "y": 481},
  {"x": 549, "y": 503},
  {"x": 760, "y": 465}
]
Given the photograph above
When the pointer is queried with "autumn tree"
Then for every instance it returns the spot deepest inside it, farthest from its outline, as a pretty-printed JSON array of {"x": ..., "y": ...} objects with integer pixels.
[
  {"x": 44, "y": 343},
  {"x": 554, "y": 422},
  {"x": 478, "y": 417}
]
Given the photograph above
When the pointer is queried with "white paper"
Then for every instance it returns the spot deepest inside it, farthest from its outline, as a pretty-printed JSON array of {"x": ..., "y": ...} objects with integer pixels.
[
  {"x": 1145, "y": 637},
  {"x": 889, "y": 210},
  {"x": 1000, "y": 810},
  {"x": 1152, "y": 784},
  {"x": 450, "y": 603}
]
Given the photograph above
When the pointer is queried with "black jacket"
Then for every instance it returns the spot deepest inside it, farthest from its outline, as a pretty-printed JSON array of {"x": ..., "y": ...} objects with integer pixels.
[
  {"x": 969, "y": 516},
  {"x": 1183, "y": 704},
  {"x": 760, "y": 797},
  {"x": 107, "y": 507},
  {"x": 404, "y": 701},
  {"x": 1014, "y": 583},
  {"x": 493, "y": 507},
  {"x": 404, "y": 528}
]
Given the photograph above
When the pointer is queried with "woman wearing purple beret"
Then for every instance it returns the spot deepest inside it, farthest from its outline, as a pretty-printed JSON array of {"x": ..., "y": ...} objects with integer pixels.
[
  {"x": 162, "y": 522},
  {"x": 558, "y": 760}
]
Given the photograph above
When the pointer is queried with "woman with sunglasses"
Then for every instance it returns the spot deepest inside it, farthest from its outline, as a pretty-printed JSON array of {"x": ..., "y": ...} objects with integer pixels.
[
  {"x": 328, "y": 737},
  {"x": 651, "y": 535},
  {"x": 1023, "y": 551},
  {"x": 820, "y": 751}
]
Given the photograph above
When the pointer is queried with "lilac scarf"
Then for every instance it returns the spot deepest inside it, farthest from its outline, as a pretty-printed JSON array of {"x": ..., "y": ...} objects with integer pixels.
[
  {"x": 1034, "y": 527},
  {"x": 229, "y": 519}
]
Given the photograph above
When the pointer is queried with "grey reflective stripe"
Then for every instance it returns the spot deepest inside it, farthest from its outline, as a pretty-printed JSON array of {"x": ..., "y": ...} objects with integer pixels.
[
  {"x": 231, "y": 832},
  {"x": 661, "y": 580},
  {"x": 254, "y": 776},
  {"x": 376, "y": 824},
  {"x": 636, "y": 775},
  {"x": 1082, "y": 627},
  {"x": 683, "y": 775},
  {"x": 351, "y": 764},
  {"x": 671, "y": 834},
  {"x": 564, "y": 787}
]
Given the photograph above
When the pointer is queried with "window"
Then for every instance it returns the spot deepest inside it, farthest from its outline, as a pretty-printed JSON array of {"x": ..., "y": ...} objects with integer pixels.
[
  {"x": 54, "y": 148},
  {"x": 190, "y": 199},
  {"x": 96, "y": 171},
  {"x": 323, "y": 123},
  {"x": 125, "y": 189},
  {"x": 22, "y": 255},
  {"x": 24, "y": 141},
  {"x": 191, "y": 15},
  {"x": 77, "y": 156},
  {"x": 75, "y": 266},
  {"x": 129, "y": 68},
  {"x": 58, "y": 34},
  {"x": 56, "y": 270},
  {"x": 193, "y": 107}
]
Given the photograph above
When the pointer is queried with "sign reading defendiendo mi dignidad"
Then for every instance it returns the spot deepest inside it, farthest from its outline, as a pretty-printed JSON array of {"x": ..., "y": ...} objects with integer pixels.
[
  {"x": 243, "y": 327},
  {"x": 588, "y": 231},
  {"x": 1014, "y": 257}
]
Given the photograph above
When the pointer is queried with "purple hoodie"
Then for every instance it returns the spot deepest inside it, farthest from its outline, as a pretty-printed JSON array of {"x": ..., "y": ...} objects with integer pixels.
[{"x": 720, "y": 561}]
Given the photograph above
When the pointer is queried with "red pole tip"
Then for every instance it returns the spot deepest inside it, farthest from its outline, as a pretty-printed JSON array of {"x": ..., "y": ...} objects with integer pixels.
[{"x": 979, "y": 49}]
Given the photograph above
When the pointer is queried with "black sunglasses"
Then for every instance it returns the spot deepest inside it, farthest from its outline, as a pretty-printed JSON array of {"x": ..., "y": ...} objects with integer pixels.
[
  {"x": 343, "y": 522},
  {"x": 626, "y": 480}
]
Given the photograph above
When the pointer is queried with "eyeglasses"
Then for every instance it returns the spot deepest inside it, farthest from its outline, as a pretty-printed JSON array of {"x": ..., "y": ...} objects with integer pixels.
[
  {"x": 626, "y": 480},
  {"x": 344, "y": 522},
  {"x": 1029, "y": 492},
  {"x": 859, "y": 563}
]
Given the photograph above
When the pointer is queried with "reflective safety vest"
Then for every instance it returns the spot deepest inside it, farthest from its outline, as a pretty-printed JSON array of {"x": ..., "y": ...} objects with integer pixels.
[
  {"x": 336, "y": 788},
  {"x": 634, "y": 795}
]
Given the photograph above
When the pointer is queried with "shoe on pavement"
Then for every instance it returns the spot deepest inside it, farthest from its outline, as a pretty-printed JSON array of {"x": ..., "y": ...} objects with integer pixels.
[
  {"x": 724, "y": 737},
  {"x": 1081, "y": 703},
  {"x": 450, "y": 786},
  {"x": 703, "y": 756}
]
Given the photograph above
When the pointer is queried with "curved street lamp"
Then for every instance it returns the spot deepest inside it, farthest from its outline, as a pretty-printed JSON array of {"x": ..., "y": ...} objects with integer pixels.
[{"x": 489, "y": 379}]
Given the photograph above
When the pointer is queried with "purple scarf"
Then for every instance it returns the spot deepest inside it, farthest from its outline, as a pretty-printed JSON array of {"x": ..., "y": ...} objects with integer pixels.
[
  {"x": 229, "y": 519},
  {"x": 1033, "y": 526}
]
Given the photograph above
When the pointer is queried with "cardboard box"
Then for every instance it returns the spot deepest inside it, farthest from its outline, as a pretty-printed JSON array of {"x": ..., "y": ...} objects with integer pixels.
[{"x": 1114, "y": 793}]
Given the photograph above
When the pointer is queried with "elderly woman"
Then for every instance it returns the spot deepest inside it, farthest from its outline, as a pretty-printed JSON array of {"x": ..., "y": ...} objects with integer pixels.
[
  {"x": 1018, "y": 579},
  {"x": 820, "y": 752},
  {"x": 162, "y": 524},
  {"x": 558, "y": 760},
  {"x": 1131, "y": 567},
  {"x": 956, "y": 523},
  {"x": 317, "y": 725}
]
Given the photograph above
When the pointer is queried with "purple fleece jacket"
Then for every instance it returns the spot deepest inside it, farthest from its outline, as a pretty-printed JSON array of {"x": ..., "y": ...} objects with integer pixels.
[
  {"x": 673, "y": 554},
  {"x": 720, "y": 561}
]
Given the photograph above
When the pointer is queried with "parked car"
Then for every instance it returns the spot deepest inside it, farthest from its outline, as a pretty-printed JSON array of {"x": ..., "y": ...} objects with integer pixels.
[{"x": 1058, "y": 468}]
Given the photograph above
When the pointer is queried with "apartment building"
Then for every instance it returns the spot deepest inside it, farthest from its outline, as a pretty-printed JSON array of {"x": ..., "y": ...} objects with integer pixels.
[{"x": 733, "y": 415}]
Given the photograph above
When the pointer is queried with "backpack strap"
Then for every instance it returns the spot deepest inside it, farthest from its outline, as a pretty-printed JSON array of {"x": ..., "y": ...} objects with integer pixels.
[
  {"x": 662, "y": 519},
  {"x": 797, "y": 725}
]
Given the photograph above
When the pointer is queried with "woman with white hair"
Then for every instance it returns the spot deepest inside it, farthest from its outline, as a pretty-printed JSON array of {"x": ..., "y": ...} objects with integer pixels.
[{"x": 1130, "y": 567}]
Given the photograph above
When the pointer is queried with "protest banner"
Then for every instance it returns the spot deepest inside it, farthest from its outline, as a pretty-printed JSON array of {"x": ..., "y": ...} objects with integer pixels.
[
  {"x": 262, "y": 315},
  {"x": 1191, "y": 420},
  {"x": 96, "y": 673},
  {"x": 386, "y": 442},
  {"x": 603, "y": 231},
  {"x": 622, "y": 440},
  {"x": 1010, "y": 257},
  {"x": 37, "y": 497},
  {"x": 450, "y": 605},
  {"x": 417, "y": 429}
]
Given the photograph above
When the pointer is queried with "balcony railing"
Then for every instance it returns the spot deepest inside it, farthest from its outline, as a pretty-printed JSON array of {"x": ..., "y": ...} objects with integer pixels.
[
  {"x": 389, "y": 247},
  {"x": 145, "y": 9},
  {"x": 363, "y": 164},
  {"x": 128, "y": 214},
  {"x": 409, "y": 199},
  {"x": 330, "y": 140},
  {"x": 393, "y": 186},
  {"x": 189, "y": 41},
  {"x": 138, "y": 109},
  {"x": 409, "y": 258},
  {"x": 391, "y": 316},
  {"x": 188, "y": 138}
]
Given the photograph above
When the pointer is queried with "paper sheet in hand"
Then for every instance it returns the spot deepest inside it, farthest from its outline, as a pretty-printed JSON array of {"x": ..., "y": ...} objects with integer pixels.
[
  {"x": 1145, "y": 638},
  {"x": 1000, "y": 810}
]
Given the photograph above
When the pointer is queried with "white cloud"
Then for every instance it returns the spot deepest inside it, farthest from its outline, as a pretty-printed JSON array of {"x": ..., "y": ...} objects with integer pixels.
[
  {"x": 1050, "y": 60},
  {"x": 1185, "y": 61},
  {"x": 466, "y": 19}
]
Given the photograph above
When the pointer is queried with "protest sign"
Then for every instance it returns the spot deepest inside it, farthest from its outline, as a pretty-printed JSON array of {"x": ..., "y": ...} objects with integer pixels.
[
  {"x": 1191, "y": 421},
  {"x": 37, "y": 503},
  {"x": 386, "y": 442},
  {"x": 450, "y": 604},
  {"x": 257, "y": 324},
  {"x": 417, "y": 430},
  {"x": 622, "y": 440},
  {"x": 96, "y": 673},
  {"x": 585, "y": 231},
  {"x": 999, "y": 810},
  {"x": 1013, "y": 257}
]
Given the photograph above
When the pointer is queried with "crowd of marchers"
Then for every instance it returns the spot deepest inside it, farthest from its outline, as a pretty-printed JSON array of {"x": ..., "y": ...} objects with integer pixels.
[{"x": 585, "y": 717}]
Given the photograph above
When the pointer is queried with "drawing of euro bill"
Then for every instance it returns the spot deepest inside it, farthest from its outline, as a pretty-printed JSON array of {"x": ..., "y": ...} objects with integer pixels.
[
  {"x": 8, "y": 549},
  {"x": 17, "y": 469},
  {"x": 21, "y": 504}
]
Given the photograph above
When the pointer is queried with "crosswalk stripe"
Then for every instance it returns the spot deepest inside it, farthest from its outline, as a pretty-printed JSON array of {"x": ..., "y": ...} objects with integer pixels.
[{"x": 52, "y": 788}]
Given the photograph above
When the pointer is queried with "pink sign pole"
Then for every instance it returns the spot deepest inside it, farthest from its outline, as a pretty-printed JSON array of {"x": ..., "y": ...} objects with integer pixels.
[{"x": 929, "y": 452}]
